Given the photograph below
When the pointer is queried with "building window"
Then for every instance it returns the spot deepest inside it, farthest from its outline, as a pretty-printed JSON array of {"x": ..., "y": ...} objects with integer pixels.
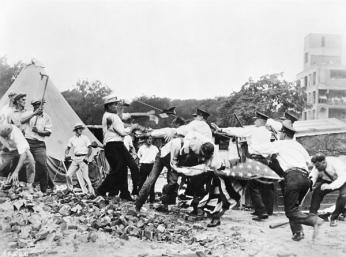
[
  {"x": 314, "y": 78},
  {"x": 306, "y": 58},
  {"x": 338, "y": 74},
  {"x": 304, "y": 116},
  {"x": 313, "y": 114},
  {"x": 305, "y": 81},
  {"x": 323, "y": 42},
  {"x": 314, "y": 97}
]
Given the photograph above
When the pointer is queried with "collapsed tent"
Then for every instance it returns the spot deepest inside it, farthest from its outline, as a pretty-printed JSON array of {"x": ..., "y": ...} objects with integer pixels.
[{"x": 63, "y": 118}]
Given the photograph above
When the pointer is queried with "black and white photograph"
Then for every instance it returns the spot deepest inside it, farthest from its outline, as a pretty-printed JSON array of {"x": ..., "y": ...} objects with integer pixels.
[{"x": 172, "y": 128}]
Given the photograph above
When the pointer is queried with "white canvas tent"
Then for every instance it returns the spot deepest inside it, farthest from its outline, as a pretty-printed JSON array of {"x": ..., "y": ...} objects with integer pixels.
[{"x": 62, "y": 115}]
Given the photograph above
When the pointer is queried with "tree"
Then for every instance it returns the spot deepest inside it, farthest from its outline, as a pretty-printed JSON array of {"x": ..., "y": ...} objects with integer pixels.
[
  {"x": 86, "y": 99},
  {"x": 8, "y": 73},
  {"x": 270, "y": 95}
]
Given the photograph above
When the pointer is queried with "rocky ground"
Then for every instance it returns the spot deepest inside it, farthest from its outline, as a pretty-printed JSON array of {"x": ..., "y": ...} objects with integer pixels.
[{"x": 72, "y": 225}]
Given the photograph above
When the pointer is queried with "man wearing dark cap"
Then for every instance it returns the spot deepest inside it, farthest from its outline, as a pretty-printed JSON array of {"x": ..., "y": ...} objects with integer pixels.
[
  {"x": 289, "y": 119},
  {"x": 328, "y": 176},
  {"x": 295, "y": 161},
  {"x": 262, "y": 195},
  {"x": 39, "y": 127}
]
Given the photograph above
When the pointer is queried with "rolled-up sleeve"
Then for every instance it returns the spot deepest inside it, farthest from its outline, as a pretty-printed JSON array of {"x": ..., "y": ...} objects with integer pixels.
[{"x": 340, "y": 169}]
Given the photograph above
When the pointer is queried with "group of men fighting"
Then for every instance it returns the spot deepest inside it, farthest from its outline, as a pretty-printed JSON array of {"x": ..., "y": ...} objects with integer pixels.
[{"x": 189, "y": 152}]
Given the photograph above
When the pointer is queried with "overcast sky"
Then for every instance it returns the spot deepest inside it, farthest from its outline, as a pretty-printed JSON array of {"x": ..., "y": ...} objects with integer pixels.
[{"x": 177, "y": 49}]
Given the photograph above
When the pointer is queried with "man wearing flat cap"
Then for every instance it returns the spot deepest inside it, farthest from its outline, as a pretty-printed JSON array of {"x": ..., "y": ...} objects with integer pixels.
[
  {"x": 295, "y": 161},
  {"x": 262, "y": 195},
  {"x": 39, "y": 127},
  {"x": 80, "y": 146},
  {"x": 15, "y": 146},
  {"x": 289, "y": 119},
  {"x": 328, "y": 176}
]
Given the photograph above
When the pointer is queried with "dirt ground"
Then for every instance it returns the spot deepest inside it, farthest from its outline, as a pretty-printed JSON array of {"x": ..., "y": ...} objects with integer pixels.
[{"x": 237, "y": 236}]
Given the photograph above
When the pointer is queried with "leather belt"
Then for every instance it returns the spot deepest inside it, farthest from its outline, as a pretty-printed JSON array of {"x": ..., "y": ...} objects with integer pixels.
[{"x": 79, "y": 155}]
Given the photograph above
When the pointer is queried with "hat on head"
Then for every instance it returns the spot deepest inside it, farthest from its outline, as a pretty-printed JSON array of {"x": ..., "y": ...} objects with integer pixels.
[
  {"x": 319, "y": 157},
  {"x": 289, "y": 116},
  {"x": 260, "y": 115},
  {"x": 207, "y": 150},
  {"x": 5, "y": 130},
  {"x": 202, "y": 113},
  {"x": 11, "y": 94},
  {"x": 111, "y": 99},
  {"x": 78, "y": 126},
  {"x": 288, "y": 130},
  {"x": 18, "y": 96},
  {"x": 37, "y": 101},
  {"x": 179, "y": 121}
]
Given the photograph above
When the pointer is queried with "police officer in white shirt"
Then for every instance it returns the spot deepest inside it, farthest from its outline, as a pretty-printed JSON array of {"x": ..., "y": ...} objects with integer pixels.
[
  {"x": 262, "y": 195},
  {"x": 329, "y": 176},
  {"x": 295, "y": 161},
  {"x": 81, "y": 147}
]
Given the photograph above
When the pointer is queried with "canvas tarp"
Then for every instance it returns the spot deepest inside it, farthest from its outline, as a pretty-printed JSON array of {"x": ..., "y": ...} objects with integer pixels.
[{"x": 62, "y": 115}]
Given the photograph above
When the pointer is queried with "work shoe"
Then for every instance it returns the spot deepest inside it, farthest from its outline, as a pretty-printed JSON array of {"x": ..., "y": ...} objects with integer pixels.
[
  {"x": 298, "y": 236},
  {"x": 214, "y": 223},
  {"x": 260, "y": 217},
  {"x": 341, "y": 218},
  {"x": 333, "y": 223},
  {"x": 255, "y": 213}
]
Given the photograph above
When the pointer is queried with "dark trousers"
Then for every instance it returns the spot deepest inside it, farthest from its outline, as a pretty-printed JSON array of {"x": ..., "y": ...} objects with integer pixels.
[
  {"x": 38, "y": 150},
  {"x": 131, "y": 163},
  {"x": 119, "y": 159},
  {"x": 318, "y": 195},
  {"x": 296, "y": 186},
  {"x": 262, "y": 195},
  {"x": 159, "y": 164},
  {"x": 144, "y": 172}
]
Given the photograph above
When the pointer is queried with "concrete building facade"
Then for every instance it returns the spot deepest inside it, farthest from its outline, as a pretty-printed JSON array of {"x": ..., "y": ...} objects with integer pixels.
[{"x": 324, "y": 77}]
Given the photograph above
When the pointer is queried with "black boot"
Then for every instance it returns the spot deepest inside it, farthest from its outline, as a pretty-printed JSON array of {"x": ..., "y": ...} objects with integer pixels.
[{"x": 298, "y": 236}]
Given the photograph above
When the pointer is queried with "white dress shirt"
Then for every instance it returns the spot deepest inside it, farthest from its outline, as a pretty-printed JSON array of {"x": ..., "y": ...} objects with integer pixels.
[
  {"x": 147, "y": 153},
  {"x": 43, "y": 123},
  {"x": 254, "y": 135},
  {"x": 79, "y": 144},
  {"x": 290, "y": 153},
  {"x": 199, "y": 126},
  {"x": 109, "y": 134}
]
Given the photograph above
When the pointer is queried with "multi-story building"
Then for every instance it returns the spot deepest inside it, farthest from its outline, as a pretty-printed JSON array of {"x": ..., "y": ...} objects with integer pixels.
[{"x": 324, "y": 77}]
